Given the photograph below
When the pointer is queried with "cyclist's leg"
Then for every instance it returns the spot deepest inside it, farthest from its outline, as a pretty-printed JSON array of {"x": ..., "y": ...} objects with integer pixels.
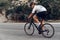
[
  {"x": 39, "y": 27},
  {"x": 42, "y": 22},
  {"x": 36, "y": 19},
  {"x": 43, "y": 16}
]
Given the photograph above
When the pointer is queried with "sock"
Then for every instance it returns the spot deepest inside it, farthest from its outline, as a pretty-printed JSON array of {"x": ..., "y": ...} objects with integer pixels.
[{"x": 38, "y": 23}]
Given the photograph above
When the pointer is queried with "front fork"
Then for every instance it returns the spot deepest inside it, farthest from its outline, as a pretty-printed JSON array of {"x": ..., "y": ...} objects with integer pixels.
[{"x": 30, "y": 24}]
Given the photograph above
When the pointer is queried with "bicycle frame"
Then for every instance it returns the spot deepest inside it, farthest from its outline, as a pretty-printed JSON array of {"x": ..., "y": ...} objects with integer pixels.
[{"x": 32, "y": 22}]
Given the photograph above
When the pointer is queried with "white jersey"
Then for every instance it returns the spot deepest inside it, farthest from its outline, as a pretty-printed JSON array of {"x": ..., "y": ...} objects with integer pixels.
[{"x": 38, "y": 8}]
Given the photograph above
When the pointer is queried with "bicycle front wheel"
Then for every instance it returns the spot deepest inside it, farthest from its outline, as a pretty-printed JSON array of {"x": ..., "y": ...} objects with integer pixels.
[
  {"x": 49, "y": 30},
  {"x": 29, "y": 29}
]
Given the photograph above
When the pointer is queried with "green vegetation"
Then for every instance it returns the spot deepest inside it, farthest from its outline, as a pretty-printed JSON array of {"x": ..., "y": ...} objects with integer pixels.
[
  {"x": 53, "y": 7},
  {"x": 4, "y": 4}
]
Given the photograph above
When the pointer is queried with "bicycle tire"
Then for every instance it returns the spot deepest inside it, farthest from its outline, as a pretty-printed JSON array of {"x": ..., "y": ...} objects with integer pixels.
[
  {"x": 52, "y": 29},
  {"x": 26, "y": 30}
]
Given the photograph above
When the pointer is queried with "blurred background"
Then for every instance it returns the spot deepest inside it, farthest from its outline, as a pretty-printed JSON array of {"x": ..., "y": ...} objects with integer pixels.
[{"x": 18, "y": 10}]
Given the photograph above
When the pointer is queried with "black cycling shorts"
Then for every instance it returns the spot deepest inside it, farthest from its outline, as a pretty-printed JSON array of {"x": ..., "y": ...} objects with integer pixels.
[{"x": 42, "y": 15}]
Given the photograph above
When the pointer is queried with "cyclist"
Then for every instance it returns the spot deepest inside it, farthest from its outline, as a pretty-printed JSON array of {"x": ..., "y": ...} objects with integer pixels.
[{"x": 40, "y": 12}]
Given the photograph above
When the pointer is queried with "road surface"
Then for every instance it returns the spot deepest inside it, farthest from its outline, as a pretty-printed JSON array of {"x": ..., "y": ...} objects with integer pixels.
[{"x": 15, "y": 31}]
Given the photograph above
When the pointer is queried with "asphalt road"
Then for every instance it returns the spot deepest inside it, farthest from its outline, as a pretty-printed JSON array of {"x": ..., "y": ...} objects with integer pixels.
[{"x": 15, "y": 31}]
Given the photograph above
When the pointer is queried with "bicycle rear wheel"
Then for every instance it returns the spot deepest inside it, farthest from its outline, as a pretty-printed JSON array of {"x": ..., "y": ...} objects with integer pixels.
[
  {"x": 48, "y": 30},
  {"x": 29, "y": 29}
]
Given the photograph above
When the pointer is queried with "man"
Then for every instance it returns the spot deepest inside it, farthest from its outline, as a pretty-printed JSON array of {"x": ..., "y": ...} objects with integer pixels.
[{"x": 41, "y": 12}]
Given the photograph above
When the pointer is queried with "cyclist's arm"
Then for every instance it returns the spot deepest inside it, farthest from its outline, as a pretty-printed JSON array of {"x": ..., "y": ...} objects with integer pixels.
[
  {"x": 33, "y": 11},
  {"x": 30, "y": 15}
]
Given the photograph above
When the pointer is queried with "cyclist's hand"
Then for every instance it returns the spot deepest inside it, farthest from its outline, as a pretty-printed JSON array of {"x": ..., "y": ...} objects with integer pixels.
[{"x": 28, "y": 17}]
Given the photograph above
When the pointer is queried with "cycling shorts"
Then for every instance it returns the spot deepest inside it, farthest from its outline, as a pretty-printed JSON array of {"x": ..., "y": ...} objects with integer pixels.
[{"x": 42, "y": 15}]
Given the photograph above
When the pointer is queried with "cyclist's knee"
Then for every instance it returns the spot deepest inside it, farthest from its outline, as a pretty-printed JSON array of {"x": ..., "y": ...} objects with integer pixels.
[{"x": 34, "y": 16}]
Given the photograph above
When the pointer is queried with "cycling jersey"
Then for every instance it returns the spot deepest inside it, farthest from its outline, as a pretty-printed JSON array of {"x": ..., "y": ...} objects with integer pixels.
[{"x": 38, "y": 8}]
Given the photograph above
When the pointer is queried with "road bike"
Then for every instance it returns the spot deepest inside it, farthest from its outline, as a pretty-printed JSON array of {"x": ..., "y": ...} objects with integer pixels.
[{"x": 30, "y": 26}]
